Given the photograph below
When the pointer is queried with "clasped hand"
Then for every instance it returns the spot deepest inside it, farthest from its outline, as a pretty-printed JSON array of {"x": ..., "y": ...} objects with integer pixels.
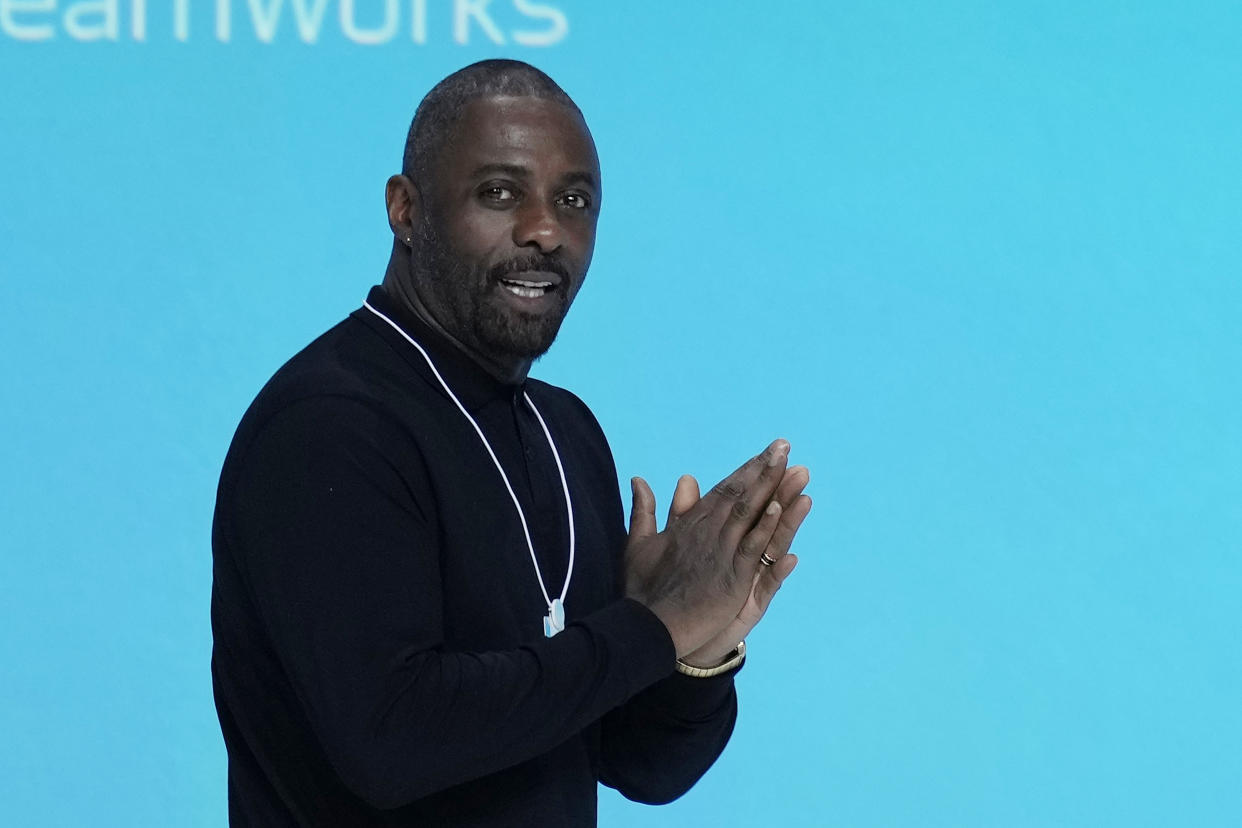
[{"x": 703, "y": 576}]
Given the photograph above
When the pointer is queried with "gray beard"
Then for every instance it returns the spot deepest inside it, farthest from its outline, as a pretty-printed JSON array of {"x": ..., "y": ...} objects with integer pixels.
[{"x": 477, "y": 317}]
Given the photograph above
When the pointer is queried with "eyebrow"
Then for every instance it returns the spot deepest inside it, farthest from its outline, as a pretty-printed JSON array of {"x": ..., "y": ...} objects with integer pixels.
[
  {"x": 581, "y": 176},
  {"x": 514, "y": 170},
  {"x": 518, "y": 171}
]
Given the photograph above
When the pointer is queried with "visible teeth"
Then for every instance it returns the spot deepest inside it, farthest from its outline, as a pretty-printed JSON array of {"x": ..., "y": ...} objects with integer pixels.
[
  {"x": 524, "y": 292},
  {"x": 527, "y": 284}
]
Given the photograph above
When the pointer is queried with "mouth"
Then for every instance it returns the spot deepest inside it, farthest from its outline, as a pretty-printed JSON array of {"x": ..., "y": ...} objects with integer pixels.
[{"x": 531, "y": 285}]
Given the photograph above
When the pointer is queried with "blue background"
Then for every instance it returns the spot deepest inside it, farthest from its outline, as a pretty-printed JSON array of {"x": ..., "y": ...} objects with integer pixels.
[{"x": 978, "y": 261}]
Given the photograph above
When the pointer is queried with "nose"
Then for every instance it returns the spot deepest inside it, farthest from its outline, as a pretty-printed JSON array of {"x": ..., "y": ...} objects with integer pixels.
[{"x": 537, "y": 225}]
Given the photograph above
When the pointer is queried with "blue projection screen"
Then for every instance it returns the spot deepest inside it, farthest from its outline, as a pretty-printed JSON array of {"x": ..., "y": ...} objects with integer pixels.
[{"x": 978, "y": 262}]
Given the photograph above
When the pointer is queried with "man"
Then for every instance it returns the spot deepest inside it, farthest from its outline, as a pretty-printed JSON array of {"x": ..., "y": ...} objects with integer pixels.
[{"x": 426, "y": 608}]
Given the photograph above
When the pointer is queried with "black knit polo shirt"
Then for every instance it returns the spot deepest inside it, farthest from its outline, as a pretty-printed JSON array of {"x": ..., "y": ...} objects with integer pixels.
[{"x": 379, "y": 655}]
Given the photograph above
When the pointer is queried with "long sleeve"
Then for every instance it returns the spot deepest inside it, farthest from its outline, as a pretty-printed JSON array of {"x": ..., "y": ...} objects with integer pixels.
[
  {"x": 658, "y": 744},
  {"x": 330, "y": 516}
]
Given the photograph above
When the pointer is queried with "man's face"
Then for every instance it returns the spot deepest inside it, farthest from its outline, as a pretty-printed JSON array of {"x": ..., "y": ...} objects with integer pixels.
[{"x": 508, "y": 225}]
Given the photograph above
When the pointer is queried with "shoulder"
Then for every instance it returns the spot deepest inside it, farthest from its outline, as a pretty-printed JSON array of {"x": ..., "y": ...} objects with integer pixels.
[
  {"x": 347, "y": 361},
  {"x": 348, "y": 385}
]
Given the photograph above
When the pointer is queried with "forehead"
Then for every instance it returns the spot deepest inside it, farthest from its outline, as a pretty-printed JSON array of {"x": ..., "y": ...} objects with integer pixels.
[{"x": 542, "y": 136}]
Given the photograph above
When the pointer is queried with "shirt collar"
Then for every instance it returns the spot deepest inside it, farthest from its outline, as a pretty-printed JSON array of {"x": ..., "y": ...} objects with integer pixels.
[{"x": 469, "y": 381}]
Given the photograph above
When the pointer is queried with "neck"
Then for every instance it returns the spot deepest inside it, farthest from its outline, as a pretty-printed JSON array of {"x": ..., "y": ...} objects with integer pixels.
[{"x": 398, "y": 284}]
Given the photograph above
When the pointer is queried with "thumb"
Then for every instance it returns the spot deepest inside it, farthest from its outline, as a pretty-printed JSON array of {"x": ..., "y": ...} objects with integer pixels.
[
  {"x": 642, "y": 513},
  {"x": 684, "y": 496}
]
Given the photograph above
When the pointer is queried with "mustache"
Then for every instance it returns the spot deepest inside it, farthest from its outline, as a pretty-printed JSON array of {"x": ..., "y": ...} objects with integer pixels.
[{"x": 521, "y": 264}]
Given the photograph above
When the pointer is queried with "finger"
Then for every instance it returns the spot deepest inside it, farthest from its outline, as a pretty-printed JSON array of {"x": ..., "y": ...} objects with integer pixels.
[
  {"x": 642, "y": 512},
  {"x": 758, "y": 538},
  {"x": 778, "y": 550},
  {"x": 745, "y": 494},
  {"x": 770, "y": 581},
  {"x": 792, "y": 484},
  {"x": 767, "y": 581},
  {"x": 684, "y": 496},
  {"x": 791, "y": 520},
  {"x": 740, "y": 482}
]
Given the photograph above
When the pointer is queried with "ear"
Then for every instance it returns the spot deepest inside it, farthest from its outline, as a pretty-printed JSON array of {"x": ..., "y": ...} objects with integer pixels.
[{"x": 405, "y": 207}]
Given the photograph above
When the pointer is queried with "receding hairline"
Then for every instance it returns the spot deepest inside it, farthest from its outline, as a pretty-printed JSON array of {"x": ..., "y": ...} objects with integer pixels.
[{"x": 442, "y": 107}]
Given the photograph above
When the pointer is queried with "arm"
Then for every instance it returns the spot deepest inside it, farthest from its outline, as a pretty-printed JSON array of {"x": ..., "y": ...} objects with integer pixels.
[
  {"x": 658, "y": 745},
  {"x": 655, "y": 747},
  {"x": 331, "y": 520}
]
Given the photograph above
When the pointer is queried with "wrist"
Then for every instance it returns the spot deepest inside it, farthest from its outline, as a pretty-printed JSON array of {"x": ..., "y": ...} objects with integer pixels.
[
  {"x": 715, "y": 652},
  {"x": 729, "y": 661}
]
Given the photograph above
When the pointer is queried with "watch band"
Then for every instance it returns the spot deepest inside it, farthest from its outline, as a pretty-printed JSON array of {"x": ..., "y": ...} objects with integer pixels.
[{"x": 732, "y": 660}]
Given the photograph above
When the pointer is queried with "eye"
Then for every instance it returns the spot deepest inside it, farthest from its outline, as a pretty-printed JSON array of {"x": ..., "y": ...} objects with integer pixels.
[
  {"x": 577, "y": 201},
  {"x": 498, "y": 193}
]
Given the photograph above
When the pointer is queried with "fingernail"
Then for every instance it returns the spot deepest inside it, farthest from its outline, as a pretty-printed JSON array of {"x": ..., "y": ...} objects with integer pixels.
[{"x": 774, "y": 508}]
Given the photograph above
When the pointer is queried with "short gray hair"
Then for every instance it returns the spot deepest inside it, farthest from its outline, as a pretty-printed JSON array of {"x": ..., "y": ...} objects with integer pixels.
[{"x": 443, "y": 105}]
